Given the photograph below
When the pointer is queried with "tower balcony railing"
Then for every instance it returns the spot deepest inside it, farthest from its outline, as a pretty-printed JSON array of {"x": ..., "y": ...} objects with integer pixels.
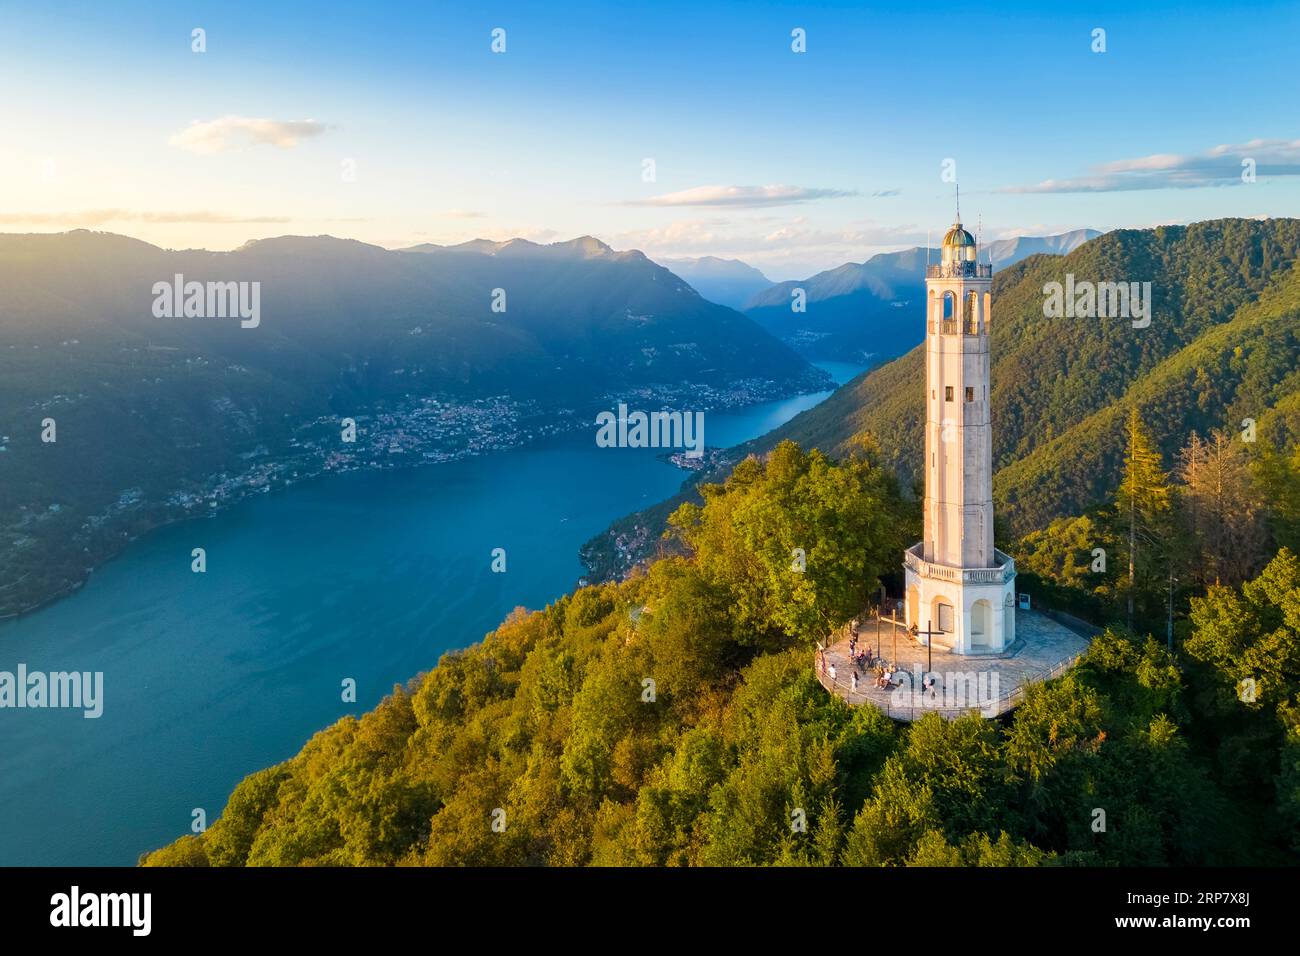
[
  {"x": 954, "y": 327},
  {"x": 960, "y": 270},
  {"x": 1005, "y": 570}
]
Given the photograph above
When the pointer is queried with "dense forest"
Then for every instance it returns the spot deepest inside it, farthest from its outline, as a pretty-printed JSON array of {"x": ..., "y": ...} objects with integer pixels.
[{"x": 674, "y": 718}]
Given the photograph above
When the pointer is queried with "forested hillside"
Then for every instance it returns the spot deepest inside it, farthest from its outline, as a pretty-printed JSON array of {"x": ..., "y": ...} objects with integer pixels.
[
  {"x": 1223, "y": 346},
  {"x": 675, "y": 719},
  {"x": 866, "y": 311}
]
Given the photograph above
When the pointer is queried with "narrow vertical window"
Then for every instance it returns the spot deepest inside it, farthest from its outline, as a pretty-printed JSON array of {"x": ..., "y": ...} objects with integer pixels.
[
  {"x": 947, "y": 393},
  {"x": 970, "y": 393}
]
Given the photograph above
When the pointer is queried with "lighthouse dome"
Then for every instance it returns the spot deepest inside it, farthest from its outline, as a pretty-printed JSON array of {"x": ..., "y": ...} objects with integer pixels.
[
  {"x": 957, "y": 236},
  {"x": 958, "y": 245}
]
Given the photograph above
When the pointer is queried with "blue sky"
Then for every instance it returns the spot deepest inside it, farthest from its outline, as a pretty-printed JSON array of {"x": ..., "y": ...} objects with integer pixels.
[{"x": 792, "y": 161}]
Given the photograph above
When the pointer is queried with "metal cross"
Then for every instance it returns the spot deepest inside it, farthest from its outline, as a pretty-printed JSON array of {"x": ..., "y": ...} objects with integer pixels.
[{"x": 929, "y": 634}]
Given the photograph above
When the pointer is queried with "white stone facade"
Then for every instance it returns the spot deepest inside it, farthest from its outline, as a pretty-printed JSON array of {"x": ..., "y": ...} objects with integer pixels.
[
  {"x": 974, "y": 607},
  {"x": 956, "y": 581}
]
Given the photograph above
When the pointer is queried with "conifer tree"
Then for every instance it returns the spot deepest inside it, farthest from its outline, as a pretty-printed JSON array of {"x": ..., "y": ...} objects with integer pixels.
[
  {"x": 1222, "y": 510},
  {"x": 1277, "y": 477},
  {"x": 1142, "y": 499}
]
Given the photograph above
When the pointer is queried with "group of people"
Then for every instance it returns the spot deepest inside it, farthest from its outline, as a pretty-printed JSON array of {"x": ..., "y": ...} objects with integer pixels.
[
  {"x": 884, "y": 674},
  {"x": 864, "y": 661}
]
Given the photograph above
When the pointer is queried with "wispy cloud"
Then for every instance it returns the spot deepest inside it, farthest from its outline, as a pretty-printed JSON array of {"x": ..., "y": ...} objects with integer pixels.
[
  {"x": 787, "y": 248},
  {"x": 98, "y": 217},
  {"x": 701, "y": 236},
  {"x": 462, "y": 214},
  {"x": 741, "y": 196},
  {"x": 1220, "y": 166},
  {"x": 236, "y": 132}
]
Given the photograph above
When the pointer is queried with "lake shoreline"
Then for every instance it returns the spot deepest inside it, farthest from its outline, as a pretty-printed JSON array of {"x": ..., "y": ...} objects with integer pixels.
[
  {"x": 371, "y": 577},
  {"x": 225, "y": 504}
]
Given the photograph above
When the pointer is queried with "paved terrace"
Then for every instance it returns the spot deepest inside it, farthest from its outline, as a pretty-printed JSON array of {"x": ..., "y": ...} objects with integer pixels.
[{"x": 990, "y": 683}]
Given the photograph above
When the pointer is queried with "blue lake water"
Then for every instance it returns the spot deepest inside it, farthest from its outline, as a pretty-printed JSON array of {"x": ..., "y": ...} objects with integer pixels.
[{"x": 368, "y": 575}]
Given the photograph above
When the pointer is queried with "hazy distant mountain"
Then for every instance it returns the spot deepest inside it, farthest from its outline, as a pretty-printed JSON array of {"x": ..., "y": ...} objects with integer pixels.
[
  {"x": 584, "y": 247},
  {"x": 867, "y": 311},
  {"x": 1006, "y": 251},
  {"x": 566, "y": 320},
  {"x": 148, "y": 408},
  {"x": 727, "y": 282}
]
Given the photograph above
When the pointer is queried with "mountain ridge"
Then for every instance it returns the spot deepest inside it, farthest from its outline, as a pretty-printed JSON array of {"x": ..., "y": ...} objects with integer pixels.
[
  {"x": 729, "y": 282},
  {"x": 857, "y": 311},
  {"x": 184, "y": 413}
]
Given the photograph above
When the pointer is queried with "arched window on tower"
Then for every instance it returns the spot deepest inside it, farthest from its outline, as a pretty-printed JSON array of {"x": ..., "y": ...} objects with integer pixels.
[
  {"x": 949, "y": 310},
  {"x": 972, "y": 313}
]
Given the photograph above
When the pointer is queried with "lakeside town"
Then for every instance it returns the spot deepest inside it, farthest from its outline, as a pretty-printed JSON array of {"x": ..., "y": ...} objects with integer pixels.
[{"x": 420, "y": 431}]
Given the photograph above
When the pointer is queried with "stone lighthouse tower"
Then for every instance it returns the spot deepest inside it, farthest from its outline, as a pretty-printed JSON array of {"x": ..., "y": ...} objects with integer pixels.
[{"x": 957, "y": 582}]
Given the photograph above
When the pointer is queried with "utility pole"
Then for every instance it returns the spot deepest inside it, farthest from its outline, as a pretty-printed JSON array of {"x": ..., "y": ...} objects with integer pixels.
[
  {"x": 878, "y": 617},
  {"x": 1169, "y": 622},
  {"x": 894, "y": 622}
]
